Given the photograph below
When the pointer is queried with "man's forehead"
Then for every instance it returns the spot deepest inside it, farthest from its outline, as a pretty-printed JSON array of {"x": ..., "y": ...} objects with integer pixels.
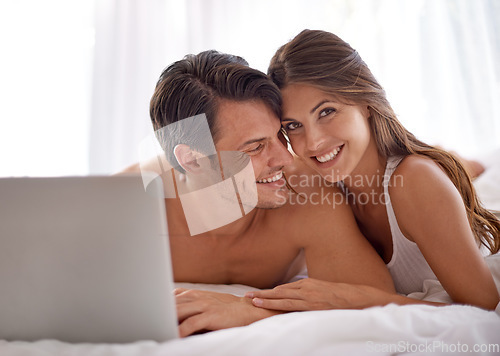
[
  {"x": 249, "y": 113},
  {"x": 243, "y": 121}
]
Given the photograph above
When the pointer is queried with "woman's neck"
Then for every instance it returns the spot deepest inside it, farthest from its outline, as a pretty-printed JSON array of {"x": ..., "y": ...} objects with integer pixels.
[{"x": 368, "y": 176}]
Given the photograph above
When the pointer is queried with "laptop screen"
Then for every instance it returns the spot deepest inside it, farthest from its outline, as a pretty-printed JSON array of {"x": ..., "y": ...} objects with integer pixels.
[{"x": 84, "y": 259}]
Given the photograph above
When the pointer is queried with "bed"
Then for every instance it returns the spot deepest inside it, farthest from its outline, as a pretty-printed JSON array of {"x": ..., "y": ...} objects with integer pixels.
[{"x": 388, "y": 330}]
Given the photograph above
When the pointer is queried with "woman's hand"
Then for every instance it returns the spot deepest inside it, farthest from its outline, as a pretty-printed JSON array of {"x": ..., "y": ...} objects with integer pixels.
[{"x": 313, "y": 294}]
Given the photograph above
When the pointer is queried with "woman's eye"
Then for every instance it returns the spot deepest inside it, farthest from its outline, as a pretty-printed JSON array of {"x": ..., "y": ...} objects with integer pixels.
[
  {"x": 326, "y": 112},
  {"x": 292, "y": 126}
]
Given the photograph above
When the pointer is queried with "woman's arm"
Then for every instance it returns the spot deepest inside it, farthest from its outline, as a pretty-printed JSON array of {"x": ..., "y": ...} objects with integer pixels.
[
  {"x": 431, "y": 212},
  {"x": 314, "y": 294}
]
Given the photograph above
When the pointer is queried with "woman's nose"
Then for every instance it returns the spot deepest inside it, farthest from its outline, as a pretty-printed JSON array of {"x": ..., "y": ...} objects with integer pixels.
[{"x": 314, "y": 138}]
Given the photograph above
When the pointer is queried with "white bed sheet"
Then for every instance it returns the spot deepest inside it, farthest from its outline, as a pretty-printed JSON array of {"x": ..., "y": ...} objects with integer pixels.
[
  {"x": 389, "y": 330},
  {"x": 415, "y": 329}
]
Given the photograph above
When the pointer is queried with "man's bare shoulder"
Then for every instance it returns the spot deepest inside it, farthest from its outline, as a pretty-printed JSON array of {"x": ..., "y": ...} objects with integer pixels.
[
  {"x": 134, "y": 168},
  {"x": 157, "y": 165}
]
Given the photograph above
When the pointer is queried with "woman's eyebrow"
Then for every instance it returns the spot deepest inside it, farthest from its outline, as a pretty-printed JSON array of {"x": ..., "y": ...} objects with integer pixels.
[
  {"x": 312, "y": 110},
  {"x": 318, "y": 105}
]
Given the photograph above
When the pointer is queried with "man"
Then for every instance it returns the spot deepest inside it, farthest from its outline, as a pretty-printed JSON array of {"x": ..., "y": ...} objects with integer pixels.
[{"x": 261, "y": 248}]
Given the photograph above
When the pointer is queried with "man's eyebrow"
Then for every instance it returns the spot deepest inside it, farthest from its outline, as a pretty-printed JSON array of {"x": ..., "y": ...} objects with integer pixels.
[{"x": 250, "y": 142}]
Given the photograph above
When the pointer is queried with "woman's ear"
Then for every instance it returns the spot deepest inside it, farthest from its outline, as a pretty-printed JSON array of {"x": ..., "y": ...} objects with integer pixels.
[
  {"x": 187, "y": 158},
  {"x": 367, "y": 111}
]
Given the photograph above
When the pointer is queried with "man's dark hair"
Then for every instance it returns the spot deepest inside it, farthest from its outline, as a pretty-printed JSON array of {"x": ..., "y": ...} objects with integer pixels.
[{"x": 196, "y": 85}]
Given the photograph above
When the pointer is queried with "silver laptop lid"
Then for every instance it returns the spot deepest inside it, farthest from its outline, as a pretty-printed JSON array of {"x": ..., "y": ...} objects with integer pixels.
[{"x": 84, "y": 259}]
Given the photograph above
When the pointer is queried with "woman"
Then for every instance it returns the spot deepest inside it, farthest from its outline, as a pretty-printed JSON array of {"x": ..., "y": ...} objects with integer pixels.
[{"x": 415, "y": 203}]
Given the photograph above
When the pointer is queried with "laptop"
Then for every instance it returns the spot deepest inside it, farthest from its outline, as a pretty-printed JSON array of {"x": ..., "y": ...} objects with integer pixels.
[{"x": 85, "y": 259}]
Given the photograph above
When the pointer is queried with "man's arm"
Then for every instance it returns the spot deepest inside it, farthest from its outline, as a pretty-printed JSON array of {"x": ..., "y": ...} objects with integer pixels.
[{"x": 334, "y": 247}]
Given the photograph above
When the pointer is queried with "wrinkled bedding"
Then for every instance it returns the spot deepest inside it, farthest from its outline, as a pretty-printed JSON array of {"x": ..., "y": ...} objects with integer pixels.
[{"x": 388, "y": 330}]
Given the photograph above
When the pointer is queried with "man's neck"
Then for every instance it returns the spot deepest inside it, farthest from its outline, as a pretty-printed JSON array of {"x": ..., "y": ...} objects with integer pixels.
[{"x": 178, "y": 224}]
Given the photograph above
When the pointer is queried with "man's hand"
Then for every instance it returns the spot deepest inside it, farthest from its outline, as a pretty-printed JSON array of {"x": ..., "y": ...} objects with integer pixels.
[{"x": 206, "y": 311}]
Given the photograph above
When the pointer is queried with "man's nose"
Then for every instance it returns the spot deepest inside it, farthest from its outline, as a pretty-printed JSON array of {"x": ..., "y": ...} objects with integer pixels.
[{"x": 279, "y": 155}]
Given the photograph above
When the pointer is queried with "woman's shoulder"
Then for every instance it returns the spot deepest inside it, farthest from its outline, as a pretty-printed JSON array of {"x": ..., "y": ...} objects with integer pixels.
[
  {"x": 420, "y": 180},
  {"x": 417, "y": 171},
  {"x": 418, "y": 166},
  {"x": 420, "y": 191}
]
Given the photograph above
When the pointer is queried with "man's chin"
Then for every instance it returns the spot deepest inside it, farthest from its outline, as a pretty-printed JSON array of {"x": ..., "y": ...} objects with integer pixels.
[
  {"x": 274, "y": 200},
  {"x": 269, "y": 205}
]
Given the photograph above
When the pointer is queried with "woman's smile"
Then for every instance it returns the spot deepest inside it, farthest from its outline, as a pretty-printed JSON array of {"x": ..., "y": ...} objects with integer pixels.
[{"x": 327, "y": 157}]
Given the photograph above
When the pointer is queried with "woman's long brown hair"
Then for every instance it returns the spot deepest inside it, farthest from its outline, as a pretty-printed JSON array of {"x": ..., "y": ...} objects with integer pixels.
[{"x": 323, "y": 60}]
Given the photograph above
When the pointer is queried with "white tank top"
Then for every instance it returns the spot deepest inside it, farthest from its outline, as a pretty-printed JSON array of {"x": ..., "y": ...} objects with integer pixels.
[{"x": 407, "y": 266}]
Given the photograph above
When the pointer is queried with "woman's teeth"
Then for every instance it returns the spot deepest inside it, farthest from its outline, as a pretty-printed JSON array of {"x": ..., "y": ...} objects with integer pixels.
[
  {"x": 329, "y": 156},
  {"x": 272, "y": 179}
]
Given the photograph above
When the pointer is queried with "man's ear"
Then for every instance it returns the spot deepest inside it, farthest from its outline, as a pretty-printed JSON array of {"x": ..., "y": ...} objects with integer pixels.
[{"x": 187, "y": 158}]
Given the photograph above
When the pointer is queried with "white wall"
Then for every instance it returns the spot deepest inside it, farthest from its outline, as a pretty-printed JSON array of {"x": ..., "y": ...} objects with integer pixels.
[
  {"x": 76, "y": 76},
  {"x": 45, "y": 75}
]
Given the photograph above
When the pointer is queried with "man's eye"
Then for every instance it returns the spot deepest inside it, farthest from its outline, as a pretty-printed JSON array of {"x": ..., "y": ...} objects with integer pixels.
[
  {"x": 256, "y": 149},
  {"x": 292, "y": 126},
  {"x": 326, "y": 112}
]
